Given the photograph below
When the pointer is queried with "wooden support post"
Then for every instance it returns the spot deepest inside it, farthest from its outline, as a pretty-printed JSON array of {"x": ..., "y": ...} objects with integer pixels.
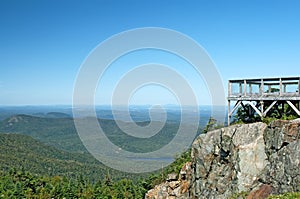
[
  {"x": 299, "y": 86},
  {"x": 249, "y": 111},
  {"x": 280, "y": 87},
  {"x": 245, "y": 88},
  {"x": 250, "y": 89},
  {"x": 229, "y": 115},
  {"x": 269, "y": 108},
  {"x": 261, "y": 87},
  {"x": 262, "y": 108},
  {"x": 235, "y": 107},
  {"x": 241, "y": 90},
  {"x": 243, "y": 105}
]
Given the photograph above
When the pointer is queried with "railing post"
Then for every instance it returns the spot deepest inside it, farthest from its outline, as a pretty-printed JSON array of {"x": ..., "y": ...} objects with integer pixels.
[
  {"x": 245, "y": 88},
  {"x": 229, "y": 88},
  {"x": 280, "y": 87},
  {"x": 299, "y": 86},
  {"x": 228, "y": 114},
  {"x": 261, "y": 87},
  {"x": 240, "y": 85}
]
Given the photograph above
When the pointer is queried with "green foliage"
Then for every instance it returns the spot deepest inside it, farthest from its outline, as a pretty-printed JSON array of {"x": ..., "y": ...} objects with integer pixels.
[
  {"x": 20, "y": 184},
  {"x": 282, "y": 111},
  {"x": 268, "y": 120},
  {"x": 211, "y": 125},
  {"x": 57, "y": 132},
  {"x": 135, "y": 144},
  {"x": 52, "y": 165},
  {"x": 24, "y": 153},
  {"x": 61, "y": 133},
  {"x": 246, "y": 114},
  {"x": 241, "y": 195},
  {"x": 292, "y": 195}
]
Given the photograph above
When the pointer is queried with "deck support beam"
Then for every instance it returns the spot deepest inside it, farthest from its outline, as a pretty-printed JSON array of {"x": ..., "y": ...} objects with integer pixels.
[
  {"x": 269, "y": 108},
  {"x": 254, "y": 107},
  {"x": 294, "y": 107}
]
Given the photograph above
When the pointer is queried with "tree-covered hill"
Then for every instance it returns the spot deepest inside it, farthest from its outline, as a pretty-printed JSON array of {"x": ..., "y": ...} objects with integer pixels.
[
  {"x": 61, "y": 133},
  {"x": 30, "y": 169},
  {"x": 58, "y": 132},
  {"x": 22, "y": 152}
]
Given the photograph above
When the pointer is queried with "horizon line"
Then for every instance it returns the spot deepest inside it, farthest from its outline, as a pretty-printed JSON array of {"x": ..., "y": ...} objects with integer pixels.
[{"x": 71, "y": 105}]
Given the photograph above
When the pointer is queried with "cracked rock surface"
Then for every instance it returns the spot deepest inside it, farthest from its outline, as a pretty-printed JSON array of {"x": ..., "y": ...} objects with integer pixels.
[{"x": 256, "y": 158}]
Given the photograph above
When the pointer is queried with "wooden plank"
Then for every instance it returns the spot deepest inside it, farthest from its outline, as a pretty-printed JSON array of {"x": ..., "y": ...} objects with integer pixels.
[
  {"x": 229, "y": 88},
  {"x": 228, "y": 113},
  {"x": 289, "y": 83},
  {"x": 286, "y": 96},
  {"x": 296, "y": 79},
  {"x": 235, "y": 107},
  {"x": 256, "y": 109},
  {"x": 269, "y": 108},
  {"x": 290, "y": 78},
  {"x": 293, "y": 107}
]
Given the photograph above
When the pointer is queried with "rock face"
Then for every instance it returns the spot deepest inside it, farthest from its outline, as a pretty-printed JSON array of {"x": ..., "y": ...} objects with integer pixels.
[
  {"x": 174, "y": 188},
  {"x": 255, "y": 158}
]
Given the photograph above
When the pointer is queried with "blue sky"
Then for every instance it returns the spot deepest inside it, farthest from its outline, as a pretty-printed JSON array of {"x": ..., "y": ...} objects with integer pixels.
[{"x": 43, "y": 43}]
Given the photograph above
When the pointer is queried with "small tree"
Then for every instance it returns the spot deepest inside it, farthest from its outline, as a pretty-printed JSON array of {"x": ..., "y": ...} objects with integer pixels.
[{"x": 211, "y": 125}]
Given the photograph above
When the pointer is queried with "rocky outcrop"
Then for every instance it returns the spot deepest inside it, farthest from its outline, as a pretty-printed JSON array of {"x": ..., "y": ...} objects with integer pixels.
[
  {"x": 174, "y": 187},
  {"x": 255, "y": 158}
]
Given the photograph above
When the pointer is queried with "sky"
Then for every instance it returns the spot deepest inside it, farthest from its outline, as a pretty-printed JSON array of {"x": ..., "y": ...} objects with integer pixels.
[{"x": 43, "y": 44}]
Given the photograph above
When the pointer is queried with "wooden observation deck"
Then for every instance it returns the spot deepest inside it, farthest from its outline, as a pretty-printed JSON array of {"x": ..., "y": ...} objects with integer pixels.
[{"x": 263, "y": 94}]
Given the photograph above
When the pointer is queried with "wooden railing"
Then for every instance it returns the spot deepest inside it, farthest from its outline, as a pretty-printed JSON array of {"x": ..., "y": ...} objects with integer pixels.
[{"x": 272, "y": 87}]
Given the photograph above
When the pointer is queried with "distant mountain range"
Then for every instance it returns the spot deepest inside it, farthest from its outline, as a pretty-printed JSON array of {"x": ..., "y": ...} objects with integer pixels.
[
  {"x": 137, "y": 112},
  {"x": 61, "y": 133}
]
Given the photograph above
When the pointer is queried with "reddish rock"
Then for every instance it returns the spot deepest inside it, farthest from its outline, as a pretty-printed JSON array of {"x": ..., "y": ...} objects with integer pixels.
[{"x": 261, "y": 193}]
